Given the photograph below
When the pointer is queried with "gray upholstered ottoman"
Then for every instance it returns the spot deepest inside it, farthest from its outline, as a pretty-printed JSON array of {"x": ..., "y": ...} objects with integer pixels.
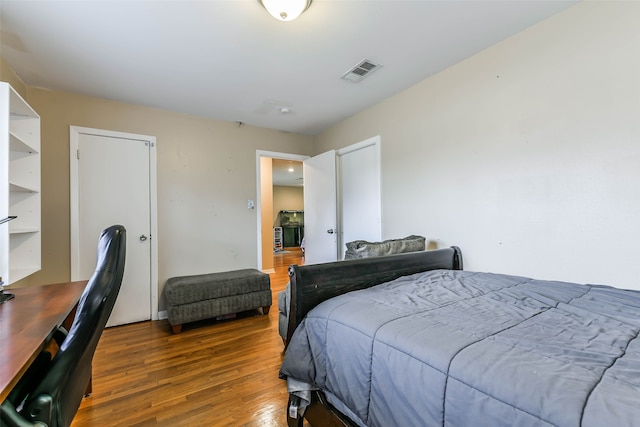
[{"x": 205, "y": 296}]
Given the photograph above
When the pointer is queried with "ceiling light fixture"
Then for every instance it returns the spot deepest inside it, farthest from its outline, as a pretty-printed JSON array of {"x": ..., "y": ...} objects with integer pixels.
[{"x": 285, "y": 10}]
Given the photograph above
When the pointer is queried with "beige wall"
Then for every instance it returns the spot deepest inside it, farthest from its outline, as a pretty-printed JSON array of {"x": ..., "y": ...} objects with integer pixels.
[
  {"x": 206, "y": 174},
  {"x": 525, "y": 155},
  {"x": 286, "y": 198}
]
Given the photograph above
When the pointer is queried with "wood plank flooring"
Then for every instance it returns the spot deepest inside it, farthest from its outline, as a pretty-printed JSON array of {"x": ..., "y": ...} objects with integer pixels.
[{"x": 215, "y": 373}]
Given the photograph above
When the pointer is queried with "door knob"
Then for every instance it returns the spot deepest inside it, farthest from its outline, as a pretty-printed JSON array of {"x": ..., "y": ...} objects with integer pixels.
[
  {"x": 142, "y": 237},
  {"x": 331, "y": 230}
]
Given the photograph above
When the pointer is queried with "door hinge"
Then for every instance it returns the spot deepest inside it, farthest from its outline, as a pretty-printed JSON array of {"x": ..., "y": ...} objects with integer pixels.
[{"x": 78, "y": 154}]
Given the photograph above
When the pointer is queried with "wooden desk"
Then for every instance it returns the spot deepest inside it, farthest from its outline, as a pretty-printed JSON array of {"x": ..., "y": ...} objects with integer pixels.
[{"x": 27, "y": 323}]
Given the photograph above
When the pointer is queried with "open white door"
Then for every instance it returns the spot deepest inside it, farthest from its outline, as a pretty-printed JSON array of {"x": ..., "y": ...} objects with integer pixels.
[{"x": 320, "y": 208}]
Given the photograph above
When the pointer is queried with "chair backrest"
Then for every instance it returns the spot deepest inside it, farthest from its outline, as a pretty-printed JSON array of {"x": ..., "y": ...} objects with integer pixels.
[{"x": 70, "y": 370}]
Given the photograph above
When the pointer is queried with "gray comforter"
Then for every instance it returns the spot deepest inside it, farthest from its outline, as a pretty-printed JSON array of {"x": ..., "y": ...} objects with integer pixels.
[{"x": 458, "y": 348}]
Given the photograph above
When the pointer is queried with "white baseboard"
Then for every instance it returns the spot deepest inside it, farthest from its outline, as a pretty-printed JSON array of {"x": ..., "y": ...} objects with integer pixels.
[{"x": 163, "y": 315}]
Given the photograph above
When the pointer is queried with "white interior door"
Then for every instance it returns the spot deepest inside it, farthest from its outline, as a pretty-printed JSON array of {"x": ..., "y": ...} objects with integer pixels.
[
  {"x": 359, "y": 193},
  {"x": 113, "y": 187},
  {"x": 320, "y": 208}
]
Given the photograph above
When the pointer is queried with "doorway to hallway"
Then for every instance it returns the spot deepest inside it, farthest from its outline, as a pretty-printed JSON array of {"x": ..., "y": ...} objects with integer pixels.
[{"x": 278, "y": 189}]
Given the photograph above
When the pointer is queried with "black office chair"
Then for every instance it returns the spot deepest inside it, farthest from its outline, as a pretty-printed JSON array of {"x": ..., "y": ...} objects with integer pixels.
[{"x": 51, "y": 390}]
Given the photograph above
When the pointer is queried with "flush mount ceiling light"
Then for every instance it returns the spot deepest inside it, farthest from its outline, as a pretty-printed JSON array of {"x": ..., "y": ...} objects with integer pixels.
[{"x": 285, "y": 10}]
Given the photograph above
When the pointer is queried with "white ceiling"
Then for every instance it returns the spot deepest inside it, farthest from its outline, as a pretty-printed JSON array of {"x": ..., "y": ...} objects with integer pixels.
[
  {"x": 287, "y": 173},
  {"x": 230, "y": 60}
]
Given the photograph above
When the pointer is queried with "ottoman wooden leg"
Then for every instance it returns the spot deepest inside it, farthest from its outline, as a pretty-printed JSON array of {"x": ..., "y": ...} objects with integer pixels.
[
  {"x": 176, "y": 329},
  {"x": 266, "y": 309}
]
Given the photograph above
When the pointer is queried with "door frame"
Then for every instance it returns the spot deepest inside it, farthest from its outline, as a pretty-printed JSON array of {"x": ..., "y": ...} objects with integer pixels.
[
  {"x": 74, "y": 137},
  {"x": 273, "y": 155}
]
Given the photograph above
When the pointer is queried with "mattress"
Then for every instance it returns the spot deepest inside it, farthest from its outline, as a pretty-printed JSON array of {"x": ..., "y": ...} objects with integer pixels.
[{"x": 459, "y": 348}]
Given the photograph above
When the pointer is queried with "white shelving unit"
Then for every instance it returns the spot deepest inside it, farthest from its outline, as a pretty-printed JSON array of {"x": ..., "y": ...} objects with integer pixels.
[
  {"x": 277, "y": 239},
  {"x": 20, "y": 238}
]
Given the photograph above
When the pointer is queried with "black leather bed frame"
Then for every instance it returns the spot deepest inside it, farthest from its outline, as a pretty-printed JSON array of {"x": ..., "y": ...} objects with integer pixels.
[{"x": 313, "y": 284}]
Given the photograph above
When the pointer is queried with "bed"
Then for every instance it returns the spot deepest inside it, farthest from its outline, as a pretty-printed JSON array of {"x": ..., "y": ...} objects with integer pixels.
[{"x": 413, "y": 340}]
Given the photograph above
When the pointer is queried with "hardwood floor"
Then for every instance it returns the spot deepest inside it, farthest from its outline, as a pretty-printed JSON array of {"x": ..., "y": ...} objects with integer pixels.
[{"x": 215, "y": 373}]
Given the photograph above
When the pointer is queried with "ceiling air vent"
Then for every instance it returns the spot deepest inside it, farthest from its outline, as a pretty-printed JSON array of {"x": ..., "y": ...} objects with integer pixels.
[{"x": 360, "y": 71}]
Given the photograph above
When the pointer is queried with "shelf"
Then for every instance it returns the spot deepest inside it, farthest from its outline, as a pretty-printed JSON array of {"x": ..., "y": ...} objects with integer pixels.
[
  {"x": 23, "y": 230},
  {"x": 21, "y": 273},
  {"x": 25, "y": 131},
  {"x": 17, "y": 144},
  {"x": 19, "y": 107},
  {"x": 21, "y": 189}
]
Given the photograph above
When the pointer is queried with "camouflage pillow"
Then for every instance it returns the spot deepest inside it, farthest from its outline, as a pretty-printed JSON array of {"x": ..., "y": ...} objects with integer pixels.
[{"x": 364, "y": 249}]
